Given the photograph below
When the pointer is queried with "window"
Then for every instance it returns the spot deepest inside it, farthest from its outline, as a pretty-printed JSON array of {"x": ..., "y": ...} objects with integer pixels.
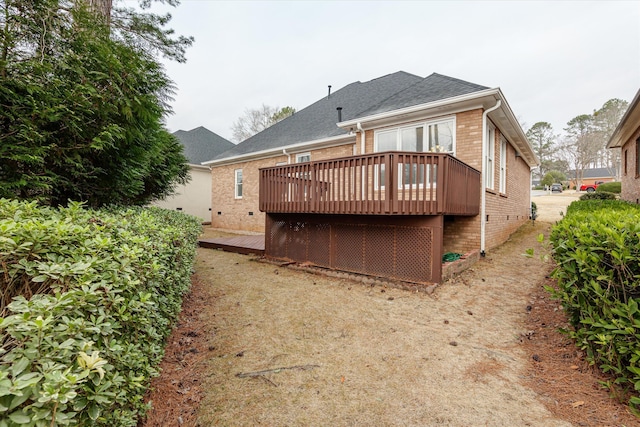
[
  {"x": 435, "y": 137},
  {"x": 238, "y": 183},
  {"x": 625, "y": 162},
  {"x": 637, "y": 157},
  {"x": 489, "y": 159},
  {"x": 503, "y": 165},
  {"x": 303, "y": 157}
]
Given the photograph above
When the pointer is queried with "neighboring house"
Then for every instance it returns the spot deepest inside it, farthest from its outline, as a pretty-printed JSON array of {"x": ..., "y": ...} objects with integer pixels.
[
  {"x": 199, "y": 144},
  {"x": 591, "y": 176},
  {"x": 626, "y": 138},
  {"x": 382, "y": 177}
]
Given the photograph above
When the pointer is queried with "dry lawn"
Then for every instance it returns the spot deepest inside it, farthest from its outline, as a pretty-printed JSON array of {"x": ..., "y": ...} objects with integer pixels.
[{"x": 269, "y": 345}]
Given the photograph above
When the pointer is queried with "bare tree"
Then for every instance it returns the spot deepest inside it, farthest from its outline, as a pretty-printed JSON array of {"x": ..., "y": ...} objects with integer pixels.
[
  {"x": 258, "y": 119},
  {"x": 581, "y": 145}
]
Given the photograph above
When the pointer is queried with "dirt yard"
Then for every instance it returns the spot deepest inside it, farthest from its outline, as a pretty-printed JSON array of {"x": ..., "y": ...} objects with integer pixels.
[{"x": 260, "y": 344}]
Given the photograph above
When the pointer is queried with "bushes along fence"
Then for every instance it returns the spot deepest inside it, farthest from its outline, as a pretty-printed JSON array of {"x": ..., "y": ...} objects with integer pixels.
[
  {"x": 597, "y": 249},
  {"x": 95, "y": 294}
]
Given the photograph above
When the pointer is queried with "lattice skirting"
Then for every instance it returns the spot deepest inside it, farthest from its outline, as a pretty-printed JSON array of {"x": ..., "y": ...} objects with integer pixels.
[{"x": 405, "y": 248}]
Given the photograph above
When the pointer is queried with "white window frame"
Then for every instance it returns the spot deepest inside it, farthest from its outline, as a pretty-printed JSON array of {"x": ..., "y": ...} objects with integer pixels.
[
  {"x": 489, "y": 161},
  {"x": 299, "y": 156},
  {"x": 425, "y": 134},
  {"x": 237, "y": 179},
  {"x": 425, "y": 125},
  {"x": 503, "y": 165}
]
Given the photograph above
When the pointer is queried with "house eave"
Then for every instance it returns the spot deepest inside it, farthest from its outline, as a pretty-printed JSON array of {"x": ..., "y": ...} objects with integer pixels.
[
  {"x": 484, "y": 99},
  {"x": 198, "y": 166},
  {"x": 623, "y": 133},
  {"x": 290, "y": 149}
]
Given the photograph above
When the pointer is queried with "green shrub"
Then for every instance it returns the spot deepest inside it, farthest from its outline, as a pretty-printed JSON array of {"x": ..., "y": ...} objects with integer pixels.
[
  {"x": 597, "y": 250},
  {"x": 101, "y": 290},
  {"x": 610, "y": 187},
  {"x": 598, "y": 195}
]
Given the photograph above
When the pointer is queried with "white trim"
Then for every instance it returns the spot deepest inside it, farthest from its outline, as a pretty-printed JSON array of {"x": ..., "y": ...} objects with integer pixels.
[
  {"x": 305, "y": 154},
  {"x": 425, "y": 134},
  {"x": 273, "y": 152},
  {"x": 504, "y": 118},
  {"x": 490, "y": 157},
  {"x": 503, "y": 165},
  {"x": 421, "y": 107},
  {"x": 483, "y": 193},
  {"x": 237, "y": 184},
  {"x": 197, "y": 166}
]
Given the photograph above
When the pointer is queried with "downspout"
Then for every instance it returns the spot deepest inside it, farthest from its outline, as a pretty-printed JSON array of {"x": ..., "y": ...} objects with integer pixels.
[
  {"x": 362, "y": 144},
  {"x": 483, "y": 187},
  {"x": 284, "y": 151}
]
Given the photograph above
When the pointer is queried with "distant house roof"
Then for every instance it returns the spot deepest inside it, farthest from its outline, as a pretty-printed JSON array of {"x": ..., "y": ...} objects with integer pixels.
[
  {"x": 200, "y": 144},
  {"x": 320, "y": 122},
  {"x": 593, "y": 173}
]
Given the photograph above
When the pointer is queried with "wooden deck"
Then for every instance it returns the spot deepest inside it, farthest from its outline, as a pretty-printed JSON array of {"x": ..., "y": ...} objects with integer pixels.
[
  {"x": 241, "y": 244},
  {"x": 389, "y": 183}
]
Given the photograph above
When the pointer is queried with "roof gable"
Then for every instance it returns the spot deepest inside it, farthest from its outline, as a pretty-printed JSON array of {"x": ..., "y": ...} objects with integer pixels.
[
  {"x": 434, "y": 87},
  {"x": 200, "y": 144}
]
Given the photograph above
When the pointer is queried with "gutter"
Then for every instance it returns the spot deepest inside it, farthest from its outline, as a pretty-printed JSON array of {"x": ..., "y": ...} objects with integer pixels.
[
  {"x": 362, "y": 143},
  {"x": 483, "y": 187},
  {"x": 284, "y": 151},
  {"x": 272, "y": 152},
  {"x": 420, "y": 107}
]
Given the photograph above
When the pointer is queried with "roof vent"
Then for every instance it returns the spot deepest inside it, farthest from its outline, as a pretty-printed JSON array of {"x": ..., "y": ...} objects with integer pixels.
[
  {"x": 329, "y": 95},
  {"x": 339, "y": 114}
]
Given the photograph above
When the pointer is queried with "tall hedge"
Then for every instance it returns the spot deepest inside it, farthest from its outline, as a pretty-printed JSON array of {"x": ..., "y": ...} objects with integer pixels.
[
  {"x": 101, "y": 290},
  {"x": 597, "y": 251}
]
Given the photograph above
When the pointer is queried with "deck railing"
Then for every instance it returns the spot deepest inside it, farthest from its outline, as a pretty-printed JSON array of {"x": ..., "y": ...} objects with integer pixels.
[{"x": 392, "y": 182}]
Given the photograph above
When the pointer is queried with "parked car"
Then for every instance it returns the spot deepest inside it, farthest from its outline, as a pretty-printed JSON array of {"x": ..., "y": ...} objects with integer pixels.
[
  {"x": 556, "y": 188},
  {"x": 590, "y": 188}
]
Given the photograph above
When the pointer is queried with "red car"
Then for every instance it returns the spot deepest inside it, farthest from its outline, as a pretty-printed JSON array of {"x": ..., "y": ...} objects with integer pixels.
[{"x": 590, "y": 188}]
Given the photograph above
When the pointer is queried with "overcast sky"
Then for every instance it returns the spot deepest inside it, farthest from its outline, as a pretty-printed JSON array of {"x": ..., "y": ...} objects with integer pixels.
[{"x": 552, "y": 60}]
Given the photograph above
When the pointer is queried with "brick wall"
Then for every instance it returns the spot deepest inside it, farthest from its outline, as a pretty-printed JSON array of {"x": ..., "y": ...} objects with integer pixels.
[
  {"x": 507, "y": 211},
  {"x": 462, "y": 234},
  {"x": 630, "y": 182},
  {"x": 243, "y": 214}
]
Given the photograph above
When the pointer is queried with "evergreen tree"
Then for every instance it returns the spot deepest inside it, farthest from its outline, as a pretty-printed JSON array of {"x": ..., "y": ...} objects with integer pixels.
[{"x": 83, "y": 106}]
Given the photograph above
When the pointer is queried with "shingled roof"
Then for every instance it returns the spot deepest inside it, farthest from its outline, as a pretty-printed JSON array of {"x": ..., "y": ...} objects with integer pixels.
[
  {"x": 200, "y": 144},
  {"x": 383, "y": 94}
]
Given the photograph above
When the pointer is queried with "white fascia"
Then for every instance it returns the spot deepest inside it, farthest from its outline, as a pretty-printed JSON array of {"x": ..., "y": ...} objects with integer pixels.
[
  {"x": 424, "y": 108},
  {"x": 290, "y": 149},
  {"x": 197, "y": 166},
  {"x": 481, "y": 99}
]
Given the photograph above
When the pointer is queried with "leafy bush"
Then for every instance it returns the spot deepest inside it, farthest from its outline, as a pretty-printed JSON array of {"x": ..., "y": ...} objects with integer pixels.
[
  {"x": 105, "y": 287},
  {"x": 597, "y": 250},
  {"x": 610, "y": 187},
  {"x": 598, "y": 195}
]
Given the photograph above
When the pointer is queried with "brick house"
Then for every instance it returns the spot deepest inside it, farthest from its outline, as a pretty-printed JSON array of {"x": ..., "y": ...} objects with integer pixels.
[
  {"x": 626, "y": 138},
  {"x": 382, "y": 177},
  {"x": 591, "y": 176},
  {"x": 199, "y": 145}
]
